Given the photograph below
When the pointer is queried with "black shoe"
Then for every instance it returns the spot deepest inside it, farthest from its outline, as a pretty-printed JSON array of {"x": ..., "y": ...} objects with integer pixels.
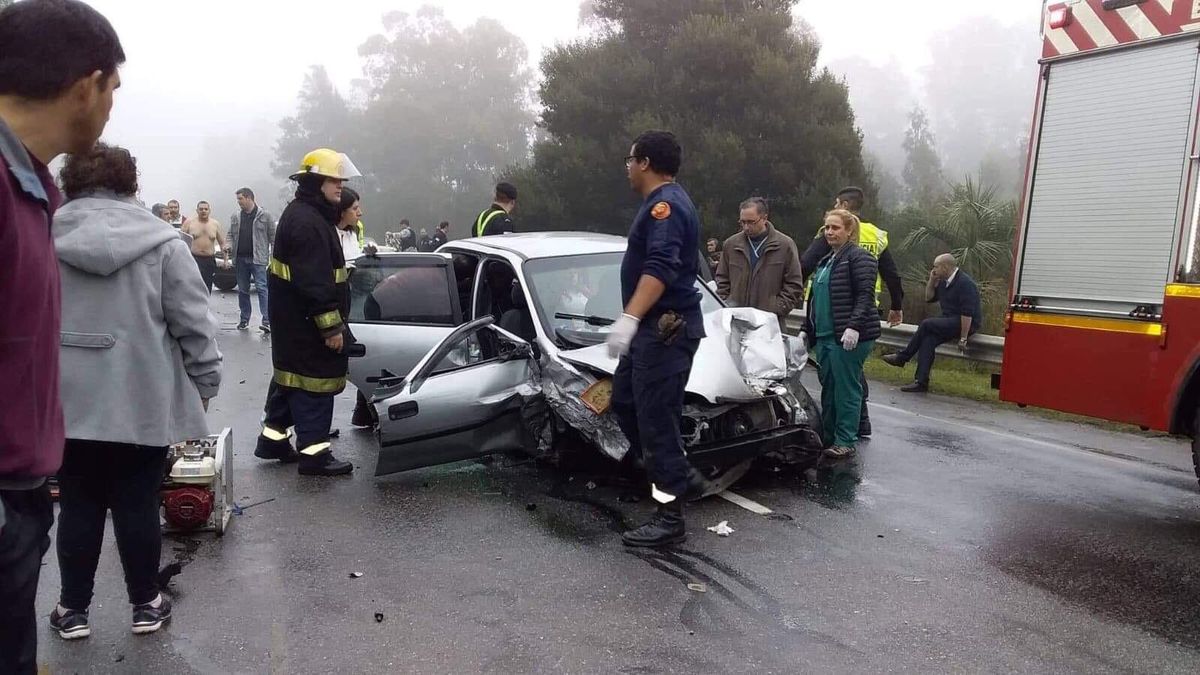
[
  {"x": 71, "y": 624},
  {"x": 265, "y": 328},
  {"x": 915, "y": 388},
  {"x": 147, "y": 618},
  {"x": 864, "y": 428},
  {"x": 324, "y": 464},
  {"x": 281, "y": 450},
  {"x": 362, "y": 417},
  {"x": 892, "y": 360},
  {"x": 840, "y": 452},
  {"x": 664, "y": 529},
  {"x": 243, "y": 325}
]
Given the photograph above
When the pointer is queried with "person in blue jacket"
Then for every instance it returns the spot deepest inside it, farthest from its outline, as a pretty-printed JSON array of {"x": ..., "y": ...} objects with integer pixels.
[{"x": 658, "y": 333}]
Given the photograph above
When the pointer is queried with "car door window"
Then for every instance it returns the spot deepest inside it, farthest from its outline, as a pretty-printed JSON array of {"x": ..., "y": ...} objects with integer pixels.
[
  {"x": 404, "y": 291},
  {"x": 474, "y": 349}
]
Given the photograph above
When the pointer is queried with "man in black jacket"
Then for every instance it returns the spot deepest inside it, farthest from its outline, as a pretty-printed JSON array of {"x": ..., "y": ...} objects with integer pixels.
[
  {"x": 309, "y": 307},
  {"x": 962, "y": 313},
  {"x": 874, "y": 240},
  {"x": 497, "y": 218}
]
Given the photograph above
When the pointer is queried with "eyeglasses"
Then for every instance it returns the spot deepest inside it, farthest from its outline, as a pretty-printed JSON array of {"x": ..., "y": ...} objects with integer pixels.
[
  {"x": 633, "y": 158},
  {"x": 749, "y": 222}
]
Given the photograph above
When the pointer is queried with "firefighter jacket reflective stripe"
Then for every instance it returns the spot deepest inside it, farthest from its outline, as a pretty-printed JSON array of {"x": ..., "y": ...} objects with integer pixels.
[{"x": 309, "y": 298}]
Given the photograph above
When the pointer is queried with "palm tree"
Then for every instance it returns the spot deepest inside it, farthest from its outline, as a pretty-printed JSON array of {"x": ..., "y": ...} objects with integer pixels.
[{"x": 976, "y": 227}]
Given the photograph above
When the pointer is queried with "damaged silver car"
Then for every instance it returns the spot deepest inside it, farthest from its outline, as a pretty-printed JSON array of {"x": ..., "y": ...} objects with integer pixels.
[{"x": 496, "y": 344}]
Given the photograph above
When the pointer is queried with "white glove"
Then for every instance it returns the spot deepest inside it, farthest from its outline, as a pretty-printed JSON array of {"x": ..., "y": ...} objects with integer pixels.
[
  {"x": 620, "y": 336},
  {"x": 849, "y": 339}
]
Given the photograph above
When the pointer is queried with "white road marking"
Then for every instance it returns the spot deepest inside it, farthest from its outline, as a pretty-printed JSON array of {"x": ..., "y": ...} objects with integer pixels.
[{"x": 748, "y": 504}]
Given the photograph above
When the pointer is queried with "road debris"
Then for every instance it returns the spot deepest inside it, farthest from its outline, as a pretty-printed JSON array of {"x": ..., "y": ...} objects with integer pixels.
[
  {"x": 356, "y": 575},
  {"x": 378, "y": 617},
  {"x": 699, "y": 588},
  {"x": 722, "y": 529}
]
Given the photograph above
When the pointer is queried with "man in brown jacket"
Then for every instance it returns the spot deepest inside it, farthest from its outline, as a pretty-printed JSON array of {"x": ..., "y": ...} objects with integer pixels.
[{"x": 760, "y": 266}]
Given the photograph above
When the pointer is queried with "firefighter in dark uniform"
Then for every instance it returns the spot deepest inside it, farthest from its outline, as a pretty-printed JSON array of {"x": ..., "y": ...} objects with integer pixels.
[
  {"x": 659, "y": 331},
  {"x": 309, "y": 306},
  {"x": 497, "y": 218}
]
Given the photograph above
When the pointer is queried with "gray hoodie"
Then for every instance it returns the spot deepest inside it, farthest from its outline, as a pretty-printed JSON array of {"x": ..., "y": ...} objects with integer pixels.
[{"x": 139, "y": 346}]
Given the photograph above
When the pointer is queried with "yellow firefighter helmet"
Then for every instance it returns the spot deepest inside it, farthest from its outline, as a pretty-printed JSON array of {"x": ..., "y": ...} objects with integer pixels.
[{"x": 328, "y": 163}]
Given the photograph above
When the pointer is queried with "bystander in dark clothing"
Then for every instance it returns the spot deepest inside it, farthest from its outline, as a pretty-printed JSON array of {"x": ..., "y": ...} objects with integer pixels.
[
  {"x": 440, "y": 236},
  {"x": 50, "y": 53},
  {"x": 962, "y": 314}
]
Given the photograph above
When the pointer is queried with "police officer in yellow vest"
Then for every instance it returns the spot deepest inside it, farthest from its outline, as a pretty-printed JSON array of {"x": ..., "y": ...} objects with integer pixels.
[
  {"x": 875, "y": 241},
  {"x": 496, "y": 219},
  {"x": 309, "y": 308}
]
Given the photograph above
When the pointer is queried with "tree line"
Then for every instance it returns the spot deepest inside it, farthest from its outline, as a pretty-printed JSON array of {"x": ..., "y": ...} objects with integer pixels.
[{"x": 442, "y": 113}]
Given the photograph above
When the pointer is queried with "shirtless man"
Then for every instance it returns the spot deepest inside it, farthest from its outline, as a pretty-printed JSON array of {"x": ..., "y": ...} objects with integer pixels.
[{"x": 206, "y": 232}]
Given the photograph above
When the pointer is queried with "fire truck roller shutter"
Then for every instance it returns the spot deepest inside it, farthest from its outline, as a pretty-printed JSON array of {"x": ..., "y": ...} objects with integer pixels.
[{"x": 1104, "y": 206}]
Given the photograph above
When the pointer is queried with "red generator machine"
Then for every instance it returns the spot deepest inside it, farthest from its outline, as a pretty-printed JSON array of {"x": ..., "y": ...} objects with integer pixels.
[{"x": 197, "y": 492}]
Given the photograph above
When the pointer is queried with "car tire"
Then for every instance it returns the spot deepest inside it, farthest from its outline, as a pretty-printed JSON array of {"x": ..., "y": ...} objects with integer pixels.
[
  {"x": 225, "y": 283},
  {"x": 1196, "y": 443}
]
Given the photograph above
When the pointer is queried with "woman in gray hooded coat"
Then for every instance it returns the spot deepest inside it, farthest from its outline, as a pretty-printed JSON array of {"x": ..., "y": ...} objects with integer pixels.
[{"x": 139, "y": 363}]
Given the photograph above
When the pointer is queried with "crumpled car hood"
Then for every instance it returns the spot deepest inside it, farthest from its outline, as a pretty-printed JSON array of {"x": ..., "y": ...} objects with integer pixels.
[{"x": 744, "y": 351}]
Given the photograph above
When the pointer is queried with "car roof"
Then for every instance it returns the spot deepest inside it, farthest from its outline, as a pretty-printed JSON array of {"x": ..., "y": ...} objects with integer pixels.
[{"x": 532, "y": 245}]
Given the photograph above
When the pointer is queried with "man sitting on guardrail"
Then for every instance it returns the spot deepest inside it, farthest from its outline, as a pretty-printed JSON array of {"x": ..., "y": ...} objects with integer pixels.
[{"x": 961, "y": 316}]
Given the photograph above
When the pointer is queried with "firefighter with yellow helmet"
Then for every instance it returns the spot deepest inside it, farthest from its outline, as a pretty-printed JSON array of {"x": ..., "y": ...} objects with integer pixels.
[{"x": 309, "y": 306}]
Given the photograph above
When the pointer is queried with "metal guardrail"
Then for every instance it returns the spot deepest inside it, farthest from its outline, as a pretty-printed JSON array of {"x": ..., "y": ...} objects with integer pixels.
[{"x": 980, "y": 348}]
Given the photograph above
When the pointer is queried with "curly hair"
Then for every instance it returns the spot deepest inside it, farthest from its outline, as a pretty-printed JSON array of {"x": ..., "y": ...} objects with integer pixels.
[{"x": 104, "y": 167}]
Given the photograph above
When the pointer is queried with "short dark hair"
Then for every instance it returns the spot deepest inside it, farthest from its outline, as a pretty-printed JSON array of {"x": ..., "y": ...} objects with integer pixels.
[
  {"x": 404, "y": 221},
  {"x": 172, "y": 201},
  {"x": 48, "y": 45},
  {"x": 202, "y": 202},
  {"x": 662, "y": 149},
  {"x": 854, "y": 196},
  {"x": 104, "y": 167},
  {"x": 759, "y": 205},
  {"x": 348, "y": 198},
  {"x": 245, "y": 192},
  {"x": 506, "y": 192},
  {"x": 443, "y": 225}
]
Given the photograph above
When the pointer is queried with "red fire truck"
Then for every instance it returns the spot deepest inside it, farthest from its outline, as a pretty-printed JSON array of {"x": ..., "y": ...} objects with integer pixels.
[{"x": 1104, "y": 318}]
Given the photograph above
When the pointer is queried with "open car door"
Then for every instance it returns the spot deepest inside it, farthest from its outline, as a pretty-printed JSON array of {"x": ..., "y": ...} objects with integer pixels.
[
  {"x": 401, "y": 305},
  {"x": 472, "y": 395}
]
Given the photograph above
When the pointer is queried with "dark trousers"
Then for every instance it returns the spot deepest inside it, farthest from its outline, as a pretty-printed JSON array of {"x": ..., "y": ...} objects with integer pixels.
[
  {"x": 923, "y": 345},
  {"x": 311, "y": 414},
  {"x": 648, "y": 407},
  {"x": 97, "y": 477},
  {"x": 208, "y": 269},
  {"x": 24, "y": 539}
]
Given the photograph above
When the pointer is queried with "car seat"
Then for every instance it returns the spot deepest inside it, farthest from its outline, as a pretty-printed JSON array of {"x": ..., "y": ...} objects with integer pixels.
[{"x": 518, "y": 320}]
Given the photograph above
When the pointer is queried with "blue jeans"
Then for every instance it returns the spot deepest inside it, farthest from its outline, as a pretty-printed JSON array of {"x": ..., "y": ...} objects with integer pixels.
[{"x": 245, "y": 267}]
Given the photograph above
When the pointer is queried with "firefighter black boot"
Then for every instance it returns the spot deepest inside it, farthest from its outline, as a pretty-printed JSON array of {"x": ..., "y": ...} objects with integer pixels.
[
  {"x": 281, "y": 450},
  {"x": 664, "y": 529},
  {"x": 324, "y": 464}
]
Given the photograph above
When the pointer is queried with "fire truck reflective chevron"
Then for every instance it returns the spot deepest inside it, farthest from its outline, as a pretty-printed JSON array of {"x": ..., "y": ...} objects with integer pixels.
[
  {"x": 1105, "y": 302},
  {"x": 1090, "y": 26}
]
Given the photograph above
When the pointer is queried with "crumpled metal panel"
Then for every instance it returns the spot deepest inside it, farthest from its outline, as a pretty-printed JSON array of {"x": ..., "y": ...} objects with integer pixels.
[{"x": 562, "y": 386}]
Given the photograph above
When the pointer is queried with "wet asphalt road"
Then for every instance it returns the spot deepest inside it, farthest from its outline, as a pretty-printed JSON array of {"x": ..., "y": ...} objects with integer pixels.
[{"x": 963, "y": 538}]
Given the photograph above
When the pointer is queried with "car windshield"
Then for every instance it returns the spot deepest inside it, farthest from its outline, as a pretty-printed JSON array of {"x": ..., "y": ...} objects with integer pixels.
[{"x": 576, "y": 297}]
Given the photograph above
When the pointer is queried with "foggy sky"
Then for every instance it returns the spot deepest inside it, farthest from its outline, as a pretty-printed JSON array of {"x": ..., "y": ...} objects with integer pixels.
[{"x": 206, "y": 75}]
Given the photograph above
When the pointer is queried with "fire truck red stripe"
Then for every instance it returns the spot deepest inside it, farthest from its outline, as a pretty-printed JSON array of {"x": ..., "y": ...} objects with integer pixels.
[
  {"x": 1048, "y": 50},
  {"x": 1113, "y": 22},
  {"x": 1080, "y": 36},
  {"x": 1160, "y": 18}
]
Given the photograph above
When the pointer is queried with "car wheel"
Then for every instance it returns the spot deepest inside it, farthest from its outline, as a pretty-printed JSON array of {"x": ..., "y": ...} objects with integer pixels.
[{"x": 1196, "y": 442}]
